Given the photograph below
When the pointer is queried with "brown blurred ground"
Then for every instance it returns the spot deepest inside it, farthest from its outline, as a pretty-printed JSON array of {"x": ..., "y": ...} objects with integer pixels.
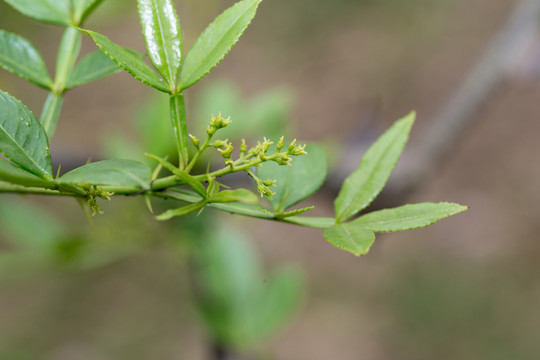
[{"x": 465, "y": 288}]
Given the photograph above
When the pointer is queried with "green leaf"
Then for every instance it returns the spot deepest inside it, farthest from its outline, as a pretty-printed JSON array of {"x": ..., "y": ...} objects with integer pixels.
[
  {"x": 235, "y": 208},
  {"x": 92, "y": 67},
  {"x": 129, "y": 62},
  {"x": 82, "y": 8},
  {"x": 239, "y": 195},
  {"x": 22, "y": 138},
  {"x": 51, "y": 11},
  {"x": 163, "y": 37},
  {"x": 351, "y": 237},
  {"x": 277, "y": 301},
  {"x": 19, "y": 56},
  {"x": 114, "y": 172},
  {"x": 228, "y": 278},
  {"x": 297, "y": 182},
  {"x": 16, "y": 175},
  {"x": 182, "y": 211},
  {"x": 216, "y": 41},
  {"x": 412, "y": 216},
  {"x": 314, "y": 222},
  {"x": 240, "y": 304},
  {"x": 17, "y": 213},
  {"x": 367, "y": 181}
]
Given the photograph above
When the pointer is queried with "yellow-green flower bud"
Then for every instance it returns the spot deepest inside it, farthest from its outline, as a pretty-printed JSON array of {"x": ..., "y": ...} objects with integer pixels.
[
  {"x": 243, "y": 147},
  {"x": 219, "y": 122},
  {"x": 195, "y": 141},
  {"x": 279, "y": 145}
]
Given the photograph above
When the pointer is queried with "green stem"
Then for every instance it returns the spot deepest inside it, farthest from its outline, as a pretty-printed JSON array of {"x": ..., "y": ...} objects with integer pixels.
[
  {"x": 51, "y": 113},
  {"x": 198, "y": 154},
  {"x": 67, "y": 55},
  {"x": 178, "y": 119},
  {"x": 19, "y": 189},
  {"x": 65, "y": 60}
]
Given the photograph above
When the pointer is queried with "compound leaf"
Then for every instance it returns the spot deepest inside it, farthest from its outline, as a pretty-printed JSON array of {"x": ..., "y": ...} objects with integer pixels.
[
  {"x": 367, "y": 181},
  {"x": 411, "y": 216},
  {"x": 51, "y": 11},
  {"x": 114, "y": 172},
  {"x": 19, "y": 56},
  {"x": 128, "y": 61},
  {"x": 297, "y": 182},
  {"x": 92, "y": 67},
  {"x": 22, "y": 138},
  {"x": 216, "y": 41},
  {"x": 163, "y": 37},
  {"x": 351, "y": 237}
]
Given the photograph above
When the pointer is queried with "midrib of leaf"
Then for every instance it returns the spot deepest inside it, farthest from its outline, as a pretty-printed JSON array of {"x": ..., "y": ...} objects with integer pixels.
[
  {"x": 22, "y": 150},
  {"x": 403, "y": 218},
  {"x": 368, "y": 180},
  {"x": 440, "y": 214},
  {"x": 214, "y": 50},
  {"x": 133, "y": 176},
  {"x": 171, "y": 83}
]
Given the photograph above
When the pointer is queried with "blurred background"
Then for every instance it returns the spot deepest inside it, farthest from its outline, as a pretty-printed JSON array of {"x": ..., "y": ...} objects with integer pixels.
[{"x": 334, "y": 72}]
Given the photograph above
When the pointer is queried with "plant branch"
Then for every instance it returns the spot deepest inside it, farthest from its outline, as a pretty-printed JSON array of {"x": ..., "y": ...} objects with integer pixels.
[{"x": 179, "y": 123}]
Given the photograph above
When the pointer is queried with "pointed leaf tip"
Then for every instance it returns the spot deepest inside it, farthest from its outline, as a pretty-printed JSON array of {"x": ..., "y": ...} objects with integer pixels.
[
  {"x": 408, "y": 217},
  {"x": 216, "y": 41},
  {"x": 367, "y": 181}
]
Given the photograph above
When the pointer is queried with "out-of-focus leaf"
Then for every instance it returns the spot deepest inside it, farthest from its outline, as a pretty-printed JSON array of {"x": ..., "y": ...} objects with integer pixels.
[
  {"x": 16, "y": 214},
  {"x": 163, "y": 37},
  {"x": 114, "y": 172},
  {"x": 20, "y": 57},
  {"x": 51, "y": 11},
  {"x": 228, "y": 276},
  {"x": 297, "y": 182},
  {"x": 22, "y": 138},
  {"x": 411, "y": 216},
  {"x": 92, "y": 67},
  {"x": 351, "y": 237},
  {"x": 367, "y": 181},
  {"x": 129, "y": 61},
  {"x": 155, "y": 132},
  {"x": 271, "y": 112},
  {"x": 278, "y": 300},
  {"x": 240, "y": 195},
  {"x": 239, "y": 305},
  {"x": 216, "y": 41},
  {"x": 268, "y": 113}
]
